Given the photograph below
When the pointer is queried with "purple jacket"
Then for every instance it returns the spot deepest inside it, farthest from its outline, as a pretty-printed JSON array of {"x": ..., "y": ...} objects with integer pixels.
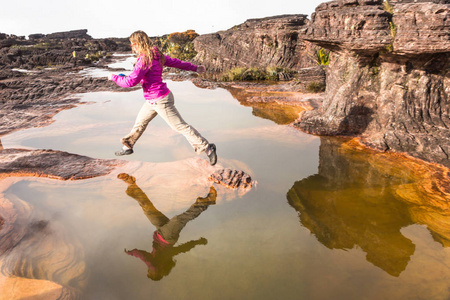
[{"x": 151, "y": 78}]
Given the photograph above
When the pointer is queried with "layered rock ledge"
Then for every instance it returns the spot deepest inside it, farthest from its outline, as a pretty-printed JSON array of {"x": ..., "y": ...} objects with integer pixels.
[
  {"x": 271, "y": 41},
  {"x": 388, "y": 79}
]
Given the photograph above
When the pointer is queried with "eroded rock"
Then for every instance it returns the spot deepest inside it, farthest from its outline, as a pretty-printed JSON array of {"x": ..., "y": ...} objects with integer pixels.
[
  {"x": 356, "y": 25},
  {"x": 232, "y": 178}
]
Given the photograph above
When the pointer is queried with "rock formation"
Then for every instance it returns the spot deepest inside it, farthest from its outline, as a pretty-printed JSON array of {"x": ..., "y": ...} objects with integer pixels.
[
  {"x": 38, "y": 74},
  {"x": 53, "y": 164},
  {"x": 73, "y": 34},
  {"x": 272, "y": 41},
  {"x": 73, "y": 48},
  {"x": 232, "y": 178},
  {"x": 388, "y": 79}
]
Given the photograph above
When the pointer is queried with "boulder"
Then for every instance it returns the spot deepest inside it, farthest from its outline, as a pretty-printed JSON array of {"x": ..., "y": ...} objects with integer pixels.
[{"x": 361, "y": 26}]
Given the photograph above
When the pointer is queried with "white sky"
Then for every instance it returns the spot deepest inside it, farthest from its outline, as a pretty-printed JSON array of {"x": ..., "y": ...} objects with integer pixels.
[{"x": 120, "y": 18}]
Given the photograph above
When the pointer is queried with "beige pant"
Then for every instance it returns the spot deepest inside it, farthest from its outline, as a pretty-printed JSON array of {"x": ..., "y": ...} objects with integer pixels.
[{"x": 166, "y": 109}]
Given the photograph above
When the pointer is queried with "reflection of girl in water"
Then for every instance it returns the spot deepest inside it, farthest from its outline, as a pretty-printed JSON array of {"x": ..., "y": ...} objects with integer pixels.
[{"x": 161, "y": 260}]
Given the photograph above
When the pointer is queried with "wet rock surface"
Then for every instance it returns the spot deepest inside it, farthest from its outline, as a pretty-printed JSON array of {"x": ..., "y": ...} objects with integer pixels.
[
  {"x": 39, "y": 258},
  {"x": 232, "y": 178},
  {"x": 388, "y": 80},
  {"x": 53, "y": 164}
]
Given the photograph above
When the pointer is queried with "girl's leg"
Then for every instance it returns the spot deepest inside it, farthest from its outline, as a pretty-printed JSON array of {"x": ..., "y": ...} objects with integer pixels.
[
  {"x": 145, "y": 115},
  {"x": 167, "y": 110}
]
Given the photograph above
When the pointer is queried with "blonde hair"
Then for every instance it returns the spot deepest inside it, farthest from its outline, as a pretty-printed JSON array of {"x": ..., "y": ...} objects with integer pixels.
[{"x": 146, "y": 48}]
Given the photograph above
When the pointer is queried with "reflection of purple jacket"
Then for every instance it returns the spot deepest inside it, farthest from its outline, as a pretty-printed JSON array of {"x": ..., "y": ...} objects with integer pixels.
[
  {"x": 151, "y": 78},
  {"x": 161, "y": 260}
]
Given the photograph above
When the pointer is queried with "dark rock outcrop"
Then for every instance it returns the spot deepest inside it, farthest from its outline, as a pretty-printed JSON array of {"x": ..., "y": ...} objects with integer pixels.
[
  {"x": 69, "y": 49},
  {"x": 388, "y": 80},
  {"x": 272, "y": 41},
  {"x": 48, "y": 52},
  {"x": 73, "y": 34},
  {"x": 7, "y": 40},
  {"x": 53, "y": 164}
]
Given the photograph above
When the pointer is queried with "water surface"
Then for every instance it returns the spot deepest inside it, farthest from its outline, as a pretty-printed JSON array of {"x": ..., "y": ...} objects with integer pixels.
[{"x": 323, "y": 222}]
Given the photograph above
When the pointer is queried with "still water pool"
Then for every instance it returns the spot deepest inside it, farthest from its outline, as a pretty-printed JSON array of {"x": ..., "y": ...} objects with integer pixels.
[{"x": 325, "y": 220}]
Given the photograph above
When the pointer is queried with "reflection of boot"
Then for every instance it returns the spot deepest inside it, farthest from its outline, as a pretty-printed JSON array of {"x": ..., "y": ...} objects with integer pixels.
[
  {"x": 208, "y": 200},
  {"x": 127, "y": 178}
]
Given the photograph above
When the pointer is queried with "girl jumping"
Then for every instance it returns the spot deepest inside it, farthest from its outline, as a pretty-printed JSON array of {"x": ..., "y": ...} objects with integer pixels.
[{"x": 159, "y": 99}]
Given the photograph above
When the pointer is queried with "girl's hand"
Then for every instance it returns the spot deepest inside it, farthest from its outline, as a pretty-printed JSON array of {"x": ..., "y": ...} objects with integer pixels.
[
  {"x": 201, "y": 69},
  {"x": 110, "y": 76}
]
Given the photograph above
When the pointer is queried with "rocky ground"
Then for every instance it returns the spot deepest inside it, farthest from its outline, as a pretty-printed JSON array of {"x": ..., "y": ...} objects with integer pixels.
[{"x": 40, "y": 76}]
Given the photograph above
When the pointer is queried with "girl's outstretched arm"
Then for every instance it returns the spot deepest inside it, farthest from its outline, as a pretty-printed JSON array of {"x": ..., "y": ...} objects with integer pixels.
[
  {"x": 179, "y": 64},
  {"x": 131, "y": 80}
]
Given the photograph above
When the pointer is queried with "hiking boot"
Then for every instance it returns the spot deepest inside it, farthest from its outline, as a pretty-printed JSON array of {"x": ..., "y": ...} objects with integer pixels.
[
  {"x": 212, "y": 154},
  {"x": 124, "y": 152}
]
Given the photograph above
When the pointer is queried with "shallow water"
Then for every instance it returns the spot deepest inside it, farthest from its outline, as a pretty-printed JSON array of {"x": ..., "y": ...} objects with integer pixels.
[{"x": 325, "y": 221}]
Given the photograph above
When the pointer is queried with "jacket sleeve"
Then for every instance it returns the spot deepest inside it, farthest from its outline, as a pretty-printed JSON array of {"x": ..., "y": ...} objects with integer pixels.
[
  {"x": 179, "y": 64},
  {"x": 133, "y": 79}
]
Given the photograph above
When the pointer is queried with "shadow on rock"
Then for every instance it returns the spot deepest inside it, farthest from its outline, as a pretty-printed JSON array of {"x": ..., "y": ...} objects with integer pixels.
[{"x": 356, "y": 121}]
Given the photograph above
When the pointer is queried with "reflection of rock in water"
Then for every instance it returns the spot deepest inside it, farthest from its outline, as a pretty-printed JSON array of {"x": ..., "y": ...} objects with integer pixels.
[
  {"x": 272, "y": 103},
  {"x": 361, "y": 198},
  {"x": 34, "y": 248}
]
